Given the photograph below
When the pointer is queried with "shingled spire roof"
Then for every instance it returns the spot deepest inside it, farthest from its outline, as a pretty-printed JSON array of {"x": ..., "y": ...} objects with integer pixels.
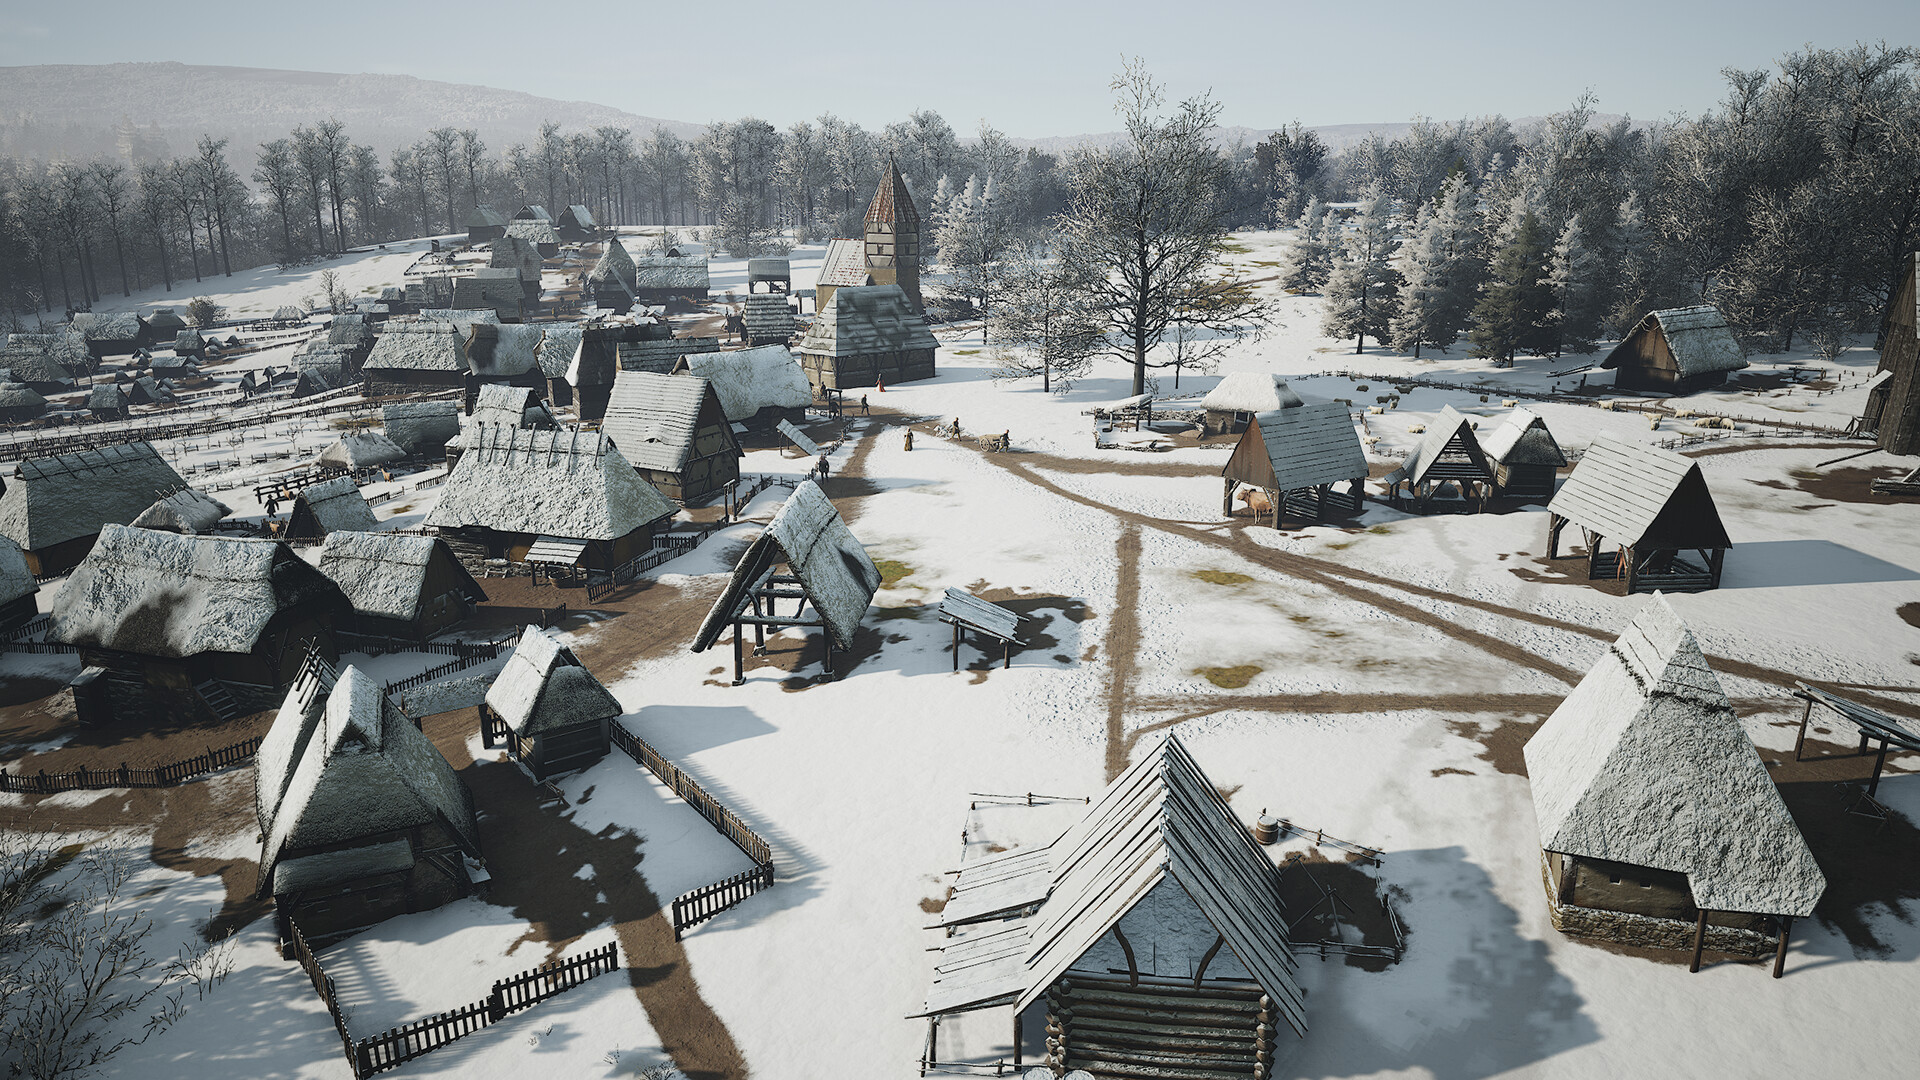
[{"x": 893, "y": 203}]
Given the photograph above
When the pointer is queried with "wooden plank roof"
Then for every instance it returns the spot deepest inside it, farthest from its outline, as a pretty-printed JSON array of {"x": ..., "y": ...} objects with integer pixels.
[
  {"x": 1869, "y": 721},
  {"x": 867, "y": 319},
  {"x": 1309, "y": 445},
  {"x": 984, "y": 616},
  {"x": 1447, "y": 427},
  {"x": 653, "y": 418},
  {"x": 833, "y": 568},
  {"x": 1634, "y": 494}
]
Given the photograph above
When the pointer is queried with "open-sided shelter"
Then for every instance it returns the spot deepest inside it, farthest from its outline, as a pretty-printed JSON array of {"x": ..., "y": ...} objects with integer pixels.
[
  {"x": 54, "y": 507},
  {"x": 329, "y": 506},
  {"x": 548, "y": 709},
  {"x": 1150, "y": 933},
  {"x": 515, "y": 487},
  {"x": 1677, "y": 351},
  {"x": 185, "y": 511},
  {"x": 1526, "y": 459},
  {"x": 757, "y": 387},
  {"x": 1892, "y": 412},
  {"x": 773, "y": 272},
  {"x": 400, "y": 585},
  {"x": 1659, "y": 824},
  {"x": 673, "y": 429},
  {"x": 867, "y": 333},
  {"x": 361, "y": 818},
  {"x": 421, "y": 428},
  {"x": 1654, "y": 505},
  {"x": 17, "y": 586},
  {"x": 1449, "y": 453},
  {"x": 827, "y": 569},
  {"x": 1293, "y": 453},
  {"x": 1229, "y": 407}
]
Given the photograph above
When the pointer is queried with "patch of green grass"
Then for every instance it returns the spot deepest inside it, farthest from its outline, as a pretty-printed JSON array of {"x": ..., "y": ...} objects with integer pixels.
[
  {"x": 1274, "y": 263},
  {"x": 1379, "y": 530},
  {"x": 1222, "y": 577},
  {"x": 1342, "y": 546},
  {"x": 1229, "y": 678},
  {"x": 891, "y": 572}
]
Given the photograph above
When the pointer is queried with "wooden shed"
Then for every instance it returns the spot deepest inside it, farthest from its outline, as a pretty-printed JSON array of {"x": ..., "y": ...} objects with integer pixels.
[
  {"x": 400, "y": 585},
  {"x": 867, "y": 333},
  {"x": 1892, "y": 412},
  {"x": 329, "y": 506},
  {"x": 108, "y": 401},
  {"x": 523, "y": 257},
  {"x": 547, "y": 708},
  {"x": 613, "y": 278},
  {"x": 758, "y": 388},
  {"x": 361, "y": 818},
  {"x": 1449, "y": 453},
  {"x": 673, "y": 429},
  {"x": 1292, "y": 454},
  {"x": 192, "y": 623},
  {"x": 497, "y": 289},
  {"x": 1150, "y": 935},
  {"x": 1659, "y": 824},
  {"x": 576, "y": 224},
  {"x": 775, "y": 273},
  {"x": 54, "y": 507},
  {"x": 1677, "y": 351},
  {"x": 1655, "y": 507},
  {"x": 1526, "y": 458},
  {"x": 485, "y": 224},
  {"x": 19, "y": 403},
  {"x": 1229, "y": 407},
  {"x": 17, "y": 586}
]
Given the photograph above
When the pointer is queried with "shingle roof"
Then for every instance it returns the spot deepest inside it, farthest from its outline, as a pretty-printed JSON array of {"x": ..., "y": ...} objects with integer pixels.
[
  {"x": 557, "y": 348},
  {"x": 544, "y": 687},
  {"x": 552, "y": 483},
  {"x": 653, "y": 418},
  {"x": 767, "y": 315},
  {"x": 337, "y": 504},
  {"x": 1311, "y": 445},
  {"x": 1646, "y": 763},
  {"x": 834, "y": 569},
  {"x": 385, "y": 574},
  {"x": 670, "y": 272},
  {"x": 1522, "y": 438},
  {"x": 659, "y": 354},
  {"x": 56, "y": 499},
  {"x": 1433, "y": 447},
  {"x": 893, "y": 203},
  {"x": 421, "y": 427},
  {"x": 1634, "y": 495},
  {"x": 867, "y": 319},
  {"x": 1251, "y": 392},
  {"x": 1698, "y": 337},
  {"x": 749, "y": 380},
  {"x": 845, "y": 263}
]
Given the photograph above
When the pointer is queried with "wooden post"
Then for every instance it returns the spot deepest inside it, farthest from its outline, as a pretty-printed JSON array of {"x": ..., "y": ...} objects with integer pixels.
[
  {"x": 1320, "y": 502},
  {"x": 1780, "y": 950},
  {"x": 1715, "y": 560},
  {"x": 759, "y": 630},
  {"x": 1879, "y": 763},
  {"x": 1226, "y": 510},
  {"x": 1016, "y": 1040},
  {"x": 956, "y": 644},
  {"x": 739, "y": 664},
  {"x": 1631, "y": 560},
  {"x": 1699, "y": 940},
  {"x": 1802, "y": 740},
  {"x": 1006, "y": 660}
]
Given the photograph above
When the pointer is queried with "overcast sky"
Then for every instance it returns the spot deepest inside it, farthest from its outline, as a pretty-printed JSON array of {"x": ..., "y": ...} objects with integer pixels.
[{"x": 1033, "y": 68}]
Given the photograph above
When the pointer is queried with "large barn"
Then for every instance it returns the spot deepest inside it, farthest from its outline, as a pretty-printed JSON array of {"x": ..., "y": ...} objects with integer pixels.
[
  {"x": 1676, "y": 351},
  {"x": 54, "y": 507},
  {"x": 673, "y": 429},
  {"x": 1655, "y": 507},
  {"x": 864, "y": 334}
]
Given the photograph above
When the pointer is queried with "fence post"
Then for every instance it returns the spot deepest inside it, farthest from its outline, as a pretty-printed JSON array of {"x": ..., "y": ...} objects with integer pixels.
[{"x": 496, "y": 1005}]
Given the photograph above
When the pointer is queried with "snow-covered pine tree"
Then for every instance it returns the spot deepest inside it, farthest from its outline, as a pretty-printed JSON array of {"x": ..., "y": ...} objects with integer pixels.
[
  {"x": 1363, "y": 291},
  {"x": 1304, "y": 268},
  {"x": 1574, "y": 277},
  {"x": 1512, "y": 312},
  {"x": 1442, "y": 267}
]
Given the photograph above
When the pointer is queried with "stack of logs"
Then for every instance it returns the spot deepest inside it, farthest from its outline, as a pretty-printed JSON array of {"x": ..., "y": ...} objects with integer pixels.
[{"x": 1163, "y": 1029}]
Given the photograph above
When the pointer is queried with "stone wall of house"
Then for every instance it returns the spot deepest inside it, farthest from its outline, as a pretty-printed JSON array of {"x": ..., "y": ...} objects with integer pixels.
[{"x": 1626, "y": 928}]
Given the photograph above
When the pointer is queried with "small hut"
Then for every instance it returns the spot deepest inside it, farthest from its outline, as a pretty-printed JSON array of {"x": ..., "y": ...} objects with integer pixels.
[
  {"x": 1450, "y": 453},
  {"x": 414, "y": 356},
  {"x": 503, "y": 355},
  {"x": 1291, "y": 453},
  {"x": 531, "y": 212},
  {"x": 192, "y": 623},
  {"x": 1232, "y": 405},
  {"x": 611, "y": 281},
  {"x": 1526, "y": 459},
  {"x": 146, "y": 390},
  {"x": 1892, "y": 412},
  {"x": 826, "y": 568},
  {"x": 54, "y": 507},
  {"x": 329, "y": 506},
  {"x": 290, "y": 313},
  {"x": 540, "y": 234},
  {"x": 768, "y": 319},
  {"x": 659, "y": 279},
  {"x": 865, "y": 334},
  {"x": 189, "y": 342},
  {"x": 758, "y": 388},
  {"x": 109, "y": 334},
  {"x": 553, "y": 715},
  {"x": 776, "y": 274},
  {"x": 514, "y": 487},
  {"x": 162, "y": 326},
  {"x": 361, "y": 450},
  {"x": 109, "y": 402},
  {"x": 672, "y": 428},
  {"x": 187, "y": 511},
  {"x": 1654, "y": 505},
  {"x": 844, "y": 265},
  {"x": 19, "y": 403},
  {"x": 1659, "y": 825},
  {"x": 17, "y": 587},
  {"x": 400, "y": 585},
  {"x": 576, "y": 224},
  {"x": 421, "y": 428},
  {"x": 497, "y": 289},
  {"x": 485, "y": 224},
  {"x": 1677, "y": 351},
  {"x": 361, "y": 818}
]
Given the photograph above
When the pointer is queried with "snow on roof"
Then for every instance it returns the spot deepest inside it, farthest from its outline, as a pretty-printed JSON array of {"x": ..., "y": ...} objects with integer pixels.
[
  {"x": 1522, "y": 438},
  {"x": 1310, "y": 445},
  {"x": 1433, "y": 447},
  {"x": 551, "y": 483},
  {"x": 188, "y": 341},
  {"x": 557, "y": 348},
  {"x": 486, "y": 217},
  {"x": 1646, "y": 763},
  {"x": 517, "y": 252},
  {"x": 534, "y": 232},
  {"x": 428, "y": 345},
  {"x": 615, "y": 265},
  {"x": 385, "y": 574},
  {"x": 762, "y": 269},
  {"x": 1631, "y": 493},
  {"x": 461, "y": 318},
  {"x": 45, "y": 358},
  {"x": 15, "y": 395},
  {"x": 834, "y": 569},
  {"x": 749, "y": 380},
  {"x": 165, "y": 320},
  {"x": 577, "y": 215},
  {"x": 16, "y": 578},
  {"x": 544, "y": 687},
  {"x": 289, "y": 313},
  {"x": 510, "y": 406},
  {"x": 495, "y": 351},
  {"x": 1251, "y": 392},
  {"x": 532, "y": 212},
  {"x": 117, "y": 326},
  {"x": 421, "y": 426},
  {"x": 107, "y": 397},
  {"x": 845, "y": 263},
  {"x": 1698, "y": 337},
  {"x": 670, "y": 272},
  {"x": 185, "y": 511},
  {"x": 659, "y": 354},
  {"x": 56, "y": 499},
  {"x": 350, "y": 330},
  {"x": 338, "y": 504},
  {"x": 867, "y": 319},
  {"x": 168, "y": 595},
  {"x": 653, "y": 418},
  {"x": 339, "y": 867},
  {"x": 358, "y": 449},
  {"x": 767, "y": 315}
]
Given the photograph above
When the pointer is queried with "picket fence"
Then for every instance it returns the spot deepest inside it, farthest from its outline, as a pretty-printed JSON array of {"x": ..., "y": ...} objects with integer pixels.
[
  {"x": 479, "y": 654},
  {"x": 85, "y": 779}
]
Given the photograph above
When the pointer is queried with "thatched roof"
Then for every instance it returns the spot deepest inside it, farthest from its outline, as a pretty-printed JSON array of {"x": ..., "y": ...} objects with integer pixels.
[
  {"x": 351, "y": 331},
  {"x": 1698, "y": 337},
  {"x": 557, "y": 348},
  {"x": 510, "y": 406},
  {"x": 119, "y": 327},
  {"x": 289, "y": 313},
  {"x": 45, "y": 358},
  {"x": 670, "y": 272},
  {"x": 185, "y": 511},
  {"x": 614, "y": 265},
  {"x": 1638, "y": 495},
  {"x": 385, "y": 574},
  {"x": 188, "y": 342},
  {"x": 359, "y": 449},
  {"x": 533, "y": 232},
  {"x": 16, "y": 578},
  {"x": 808, "y": 534},
  {"x": 867, "y": 319},
  {"x": 337, "y": 505},
  {"x": 1646, "y": 763},
  {"x": 52, "y": 500},
  {"x": 653, "y": 418},
  {"x": 749, "y": 380},
  {"x": 21, "y": 397},
  {"x": 552, "y": 483},
  {"x": 1251, "y": 392},
  {"x": 169, "y": 595},
  {"x": 544, "y": 687},
  {"x": 495, "y": 351},
  {"x": 1522, "y": 438},
  {"x": 164, "y": 322},
  {"x": 421, "y": 427},
  {"x": 486, "y": 217},
  {"x": 516, "y": 252},
  {"x": 427, "y": 345}
]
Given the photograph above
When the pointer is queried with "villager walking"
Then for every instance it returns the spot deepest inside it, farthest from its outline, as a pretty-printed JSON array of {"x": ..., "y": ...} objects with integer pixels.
[{"x": 909, "y": 442}]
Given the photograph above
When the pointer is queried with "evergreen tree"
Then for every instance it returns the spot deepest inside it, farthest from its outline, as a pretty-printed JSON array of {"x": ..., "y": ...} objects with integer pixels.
[
  {"x": 1442, "y": 267},
  {"x": 1309, "y": 259},
  {"x": 1363, "y": 291},
  {"x": 1574, "y": 277},
  {"x": 1513, "y": 309}
]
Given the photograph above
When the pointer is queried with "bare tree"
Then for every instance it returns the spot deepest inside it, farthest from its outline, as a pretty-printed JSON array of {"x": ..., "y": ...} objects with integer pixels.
[
  {"x": 1045, "y": 323},
  {"x": 110, "y": 183},
  {"x": 443, "y": 157},
  {"x": 277, "y": 174},
  {"x": 472, "y": 153},
  {"x": 156, "y": 212}
]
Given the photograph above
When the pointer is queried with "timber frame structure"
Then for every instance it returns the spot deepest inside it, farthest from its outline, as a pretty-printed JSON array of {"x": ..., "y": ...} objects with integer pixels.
[
  {"x": 1654, "y": 505},
  {"x": 1295, "y": 452},
  {"x": 1450, "y": 454}
]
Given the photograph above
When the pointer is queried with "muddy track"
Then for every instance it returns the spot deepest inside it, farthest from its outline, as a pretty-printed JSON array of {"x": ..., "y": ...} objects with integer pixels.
[{"x": 1123, "y": 641}]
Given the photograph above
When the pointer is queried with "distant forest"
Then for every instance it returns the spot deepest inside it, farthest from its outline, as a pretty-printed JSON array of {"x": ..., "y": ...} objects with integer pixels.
[{"x": 1789, "y": 205}]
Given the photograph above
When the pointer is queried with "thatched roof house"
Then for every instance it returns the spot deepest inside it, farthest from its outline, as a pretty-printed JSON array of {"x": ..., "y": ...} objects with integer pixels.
[
  {"x": 511, "y": 406},
  {"x": 866, "y": 333},
  {"x": 548, "y": 708},
  {"x": 485, "y": 224},
  {"x": 361, "y": 449},
  {"x": 612, "y": 280},
  {"x": 186, "y": 511},
  {"x": 421, "y": 428},
  {"x": 1653, "y": 504},
  {"x": 329, "y": 506},
  {"x": 54, "y": 507},
  {"x": 1156, "y": 904},
  {"x": 514, "y": 486},
  {"x": 415, "y": 354},
  {"x": 1526, "y": 458},
  {"x": 757, "y": 387},
  {"x": 20, "y": 403},
  {"x": 357, "y": 810},
  {"x": 539, "y": 233},
  {"x": 1449, "y": 453},
  {"x": 1242, "y": 395},
  {"x": 1892, "y": 411},
  {"x": 109, "y": 334},
  {"x": 494, "y": 288},
  {"x": 519, "y": 254},
  {"x": 163, "y": 324},
  {"x": 46, "y": 362},
  {"x": 673, "y": 429},
  {"x": 290, "y": 313},
  {"x": 400, "y": 585},
  {"x": 660, "y": 278},
  {"x": 557, "y": 350},
  {"x": 658, "y": 354},
  {"x": 1655, "y": 808},
  {"x": 768, "y": 319},
  {"x": 1293, "y": 453},
  {"x": 17, "y": 586},
  {"x": 1676, "y": 351},
  {"x": 189, "y": 342}
]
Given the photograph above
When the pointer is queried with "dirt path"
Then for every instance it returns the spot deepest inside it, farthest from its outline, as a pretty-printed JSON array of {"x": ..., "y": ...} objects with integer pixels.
[{"x": 1123, "y": 641}]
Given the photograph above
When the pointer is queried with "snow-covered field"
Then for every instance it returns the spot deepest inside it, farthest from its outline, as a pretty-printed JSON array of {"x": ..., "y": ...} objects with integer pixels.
[{"x": 1387, "y": 658}]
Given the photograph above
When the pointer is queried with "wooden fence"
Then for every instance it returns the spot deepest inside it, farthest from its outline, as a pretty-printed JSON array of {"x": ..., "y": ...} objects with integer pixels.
[
  {"x": 693, "y": 908},
  {"x": 323, "y": 985},
  {"x": 38, "y": 646},
  {"x": 85, "y": 779},
  {"x": 480, "y": 654},
  {"x": 28, "y": 629}
]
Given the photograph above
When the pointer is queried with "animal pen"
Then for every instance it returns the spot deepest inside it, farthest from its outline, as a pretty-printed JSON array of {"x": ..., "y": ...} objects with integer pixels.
[
  {"x": 1295, "y": 454},
  {"x": 1450, "y": 454},
  {"x": 1654, "y": 505}
]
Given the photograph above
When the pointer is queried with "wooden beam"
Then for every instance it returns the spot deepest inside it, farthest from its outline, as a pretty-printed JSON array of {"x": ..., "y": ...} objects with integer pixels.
[
  {"x": 1699, "y": 940},
  {"x": 739, "y": 663},
  {"x": 1879, "y": 763},
  {"x": 1780, "y": 950},
  {"x": 956, "y": 645},
  {"x": 1802, "y": 740}
]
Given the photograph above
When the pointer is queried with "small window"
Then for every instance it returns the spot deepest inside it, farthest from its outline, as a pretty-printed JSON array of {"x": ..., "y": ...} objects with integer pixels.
[{"x": 1613, "y": 879}]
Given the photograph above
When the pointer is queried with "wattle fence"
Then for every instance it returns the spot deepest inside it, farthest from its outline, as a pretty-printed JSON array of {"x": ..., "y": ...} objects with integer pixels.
[{"x": 85, "y": 779}]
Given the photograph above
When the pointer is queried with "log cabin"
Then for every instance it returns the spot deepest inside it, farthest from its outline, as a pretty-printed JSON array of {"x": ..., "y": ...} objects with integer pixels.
[
  {"x": 1892, "y": 412},
  {"x": 673, "y": 429},
  {"x": 1676, "y": 351}
]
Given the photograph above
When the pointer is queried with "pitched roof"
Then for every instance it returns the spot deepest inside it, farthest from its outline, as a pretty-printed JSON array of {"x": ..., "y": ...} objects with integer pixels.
[
  {"x": 834, "y": 569},
  {"x": 1646, "y": 763},
  {"x": 760, "y": 269},
  {"x": 117, "y": 326},
  {"x": 1522, "y": 438},
  {"x": 421, "y": 426},
  {"x": 533, "y": 231},
  {"x": 845, "y": 263},
  {"x": 517, "y": 252},
  {"x": 290, "y": 313},
  {"x": 427, "y": 345},
  {"x": 164, "y": 320},
  {"x": 510, "y": 406},
  {"x": 188, "y": 341},
  {"x": 552, "y": 483},
  {"x": 16, "y": 578},
  {"x": 45, "y": 358},
  {"x": 495, "y": 351},
  {"x": 338, "y": 504},
  {"x": 867, "y": 319},
  {"x": 893, "y": 203},
  {"x": 670, "y": 272},
  {"x": 577, "y": 215},
  {"x": 503, "y": 297},
  {"x": 615, "y": 264},
  {"x": 359, "y": 449},
  {"x": 658, "y": 354},
  {"x": 15, "y": 395},
  {"x": 1433, "y": 448},
  {"x": 185, "y": 511},
  {"x": 385, "y": 574},
  {"x": 653, "y": 418},
  {"x": 532, "y": 212},
  {"x": 1310, "y": 445},
  {"x": 56, "y": 499},
  {"x": 165, "y": 594},
  {"x": 749, "y": 380},
  {"x": 768, "y": 315},
  {"x": 486, "y": 217},
  {"x": 1698, "y": 337},
  {"x": 1634, "y": 494},
  {"x": 544, "y": 687},
  {"x": 1251, "y": 392},
  {"x": 557, "y": 348}
]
